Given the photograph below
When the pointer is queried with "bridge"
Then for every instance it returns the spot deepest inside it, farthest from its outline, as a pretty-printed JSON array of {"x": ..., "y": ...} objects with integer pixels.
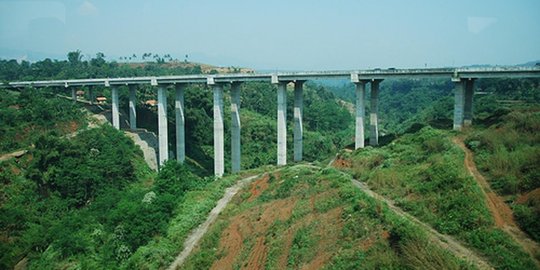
[{"x": 463, "y": 102}]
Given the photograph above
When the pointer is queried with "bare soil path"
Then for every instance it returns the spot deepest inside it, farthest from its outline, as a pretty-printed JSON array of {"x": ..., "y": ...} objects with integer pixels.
[
  {"x": 501, "y": 212},
  {"x": 196, "y": 235},
  {"x": 11, "y": 155},
  {"x": 445, "y": 241}
]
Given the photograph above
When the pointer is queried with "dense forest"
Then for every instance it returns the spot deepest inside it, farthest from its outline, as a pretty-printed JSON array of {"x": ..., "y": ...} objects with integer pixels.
[{"x": 83, "y": 197}]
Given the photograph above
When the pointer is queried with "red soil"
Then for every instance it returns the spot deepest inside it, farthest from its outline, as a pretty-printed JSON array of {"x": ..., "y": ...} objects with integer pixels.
[{"x": 258, "y": 187}]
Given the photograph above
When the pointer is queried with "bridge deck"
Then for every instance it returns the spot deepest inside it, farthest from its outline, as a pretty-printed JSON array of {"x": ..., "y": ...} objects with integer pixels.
[{"x": 373, "y": 74}]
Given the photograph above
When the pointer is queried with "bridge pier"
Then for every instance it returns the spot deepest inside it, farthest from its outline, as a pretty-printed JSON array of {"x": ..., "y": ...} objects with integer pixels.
[
  {"x": 282, "y": 123},
  {"x": 162, "y": 125},
  {"x": 132, "y": 107},
  {"x": 73, "y": 94},
  {"x": 459, "y": 100},
  {"x": 298, "y": 115},
  {"x": 468, "y": 106},
  {"x": 463, "y": 102},
  {"x": 235, "y": 128},
  {"x": 180, "y": 123},
  {"x": 219, "y": 159},
  {"x": 115, "y": 112},
  {"x": 373, "y": 118},
  {"x": 91, "y": 95},
  {"x": 360, "y": 114}
]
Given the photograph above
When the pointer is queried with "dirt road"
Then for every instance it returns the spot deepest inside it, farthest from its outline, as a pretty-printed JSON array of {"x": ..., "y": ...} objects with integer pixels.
[
  {"x": 443, "y": 240},
  {"x": 196, "y": 235},
  {"x": 501, "y": 212}
]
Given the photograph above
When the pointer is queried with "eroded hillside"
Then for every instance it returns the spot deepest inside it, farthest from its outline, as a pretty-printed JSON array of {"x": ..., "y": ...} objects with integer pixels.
[{"x": 305, "y": 217}]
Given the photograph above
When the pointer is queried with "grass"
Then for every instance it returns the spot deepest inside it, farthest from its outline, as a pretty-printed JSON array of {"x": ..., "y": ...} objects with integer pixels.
[
  {"x": 508, "y": 153},
  {"x": 424, "y": 174},
  {"x": 191, "y": 212},
  {"x": 332, "y": 225}
]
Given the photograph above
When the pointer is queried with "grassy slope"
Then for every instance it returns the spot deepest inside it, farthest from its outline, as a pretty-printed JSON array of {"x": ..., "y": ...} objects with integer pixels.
[
  {"x": 424, "y": 173},
  {"x": 508, "y": 153},
  {"x": 302, "y": 217}
]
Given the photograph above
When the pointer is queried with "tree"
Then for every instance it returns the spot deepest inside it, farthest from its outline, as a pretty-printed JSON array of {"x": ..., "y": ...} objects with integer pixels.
[
  {"x": 75, "y": 57},
  {"x": 99, "y": 60}
]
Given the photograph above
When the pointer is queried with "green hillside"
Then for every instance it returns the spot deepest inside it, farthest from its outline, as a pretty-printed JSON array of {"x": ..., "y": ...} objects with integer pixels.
[
  {"x": 310, "y": 218},
  {"x": 80, "y": 195}
]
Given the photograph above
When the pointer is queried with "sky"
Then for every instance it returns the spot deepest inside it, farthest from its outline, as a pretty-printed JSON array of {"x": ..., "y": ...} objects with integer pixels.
[{"x": 278, "y": 34}]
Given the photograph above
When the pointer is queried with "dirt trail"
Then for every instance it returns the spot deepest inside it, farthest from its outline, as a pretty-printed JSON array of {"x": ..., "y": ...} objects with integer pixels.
[
  {"x": 11, "y": 155},
  {"x": 196, "y": 235},
  {"x": 444, "y": 241},
  {"x": 501, "y": 212}
]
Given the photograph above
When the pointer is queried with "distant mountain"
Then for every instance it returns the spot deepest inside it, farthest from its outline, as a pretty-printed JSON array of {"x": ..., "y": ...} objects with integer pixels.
[
  {"x": 530, "y": 64},
  {"x": 28, "y": 55}
]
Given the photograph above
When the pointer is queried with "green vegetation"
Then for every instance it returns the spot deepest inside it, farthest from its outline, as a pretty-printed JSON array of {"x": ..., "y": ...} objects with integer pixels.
[
  {"x": 424, "y": 173},
  {"x": 405, "y": 102},
  {"x": 25, "y": 116},
  {"x": 307, "y": 217},
  {"x": 327, "y": 124},
  {"x": 508, "y": 153},
  {"x": 89, "y": 201}
]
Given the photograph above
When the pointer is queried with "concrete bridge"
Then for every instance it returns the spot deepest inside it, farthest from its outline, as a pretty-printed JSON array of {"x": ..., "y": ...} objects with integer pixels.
[{"x": 463, "y": 107}]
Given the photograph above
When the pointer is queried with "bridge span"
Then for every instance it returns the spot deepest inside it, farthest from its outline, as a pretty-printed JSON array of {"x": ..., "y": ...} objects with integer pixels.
[{"x": 463, "y": 102}]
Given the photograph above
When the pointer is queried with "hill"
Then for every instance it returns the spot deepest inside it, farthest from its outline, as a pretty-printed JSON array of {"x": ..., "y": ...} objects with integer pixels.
[
  {"x": 79, "y": 195},
  {"x": 311, "y": 218},
  {"x": 204, "y": 68}
]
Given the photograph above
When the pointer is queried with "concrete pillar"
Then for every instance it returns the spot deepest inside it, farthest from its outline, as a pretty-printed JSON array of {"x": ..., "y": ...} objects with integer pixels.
[
  {"x": 459, "y": 101},
  {"x": 468, "y": 105},
  {"x": 235, "y": 127},
  {"x": 360, "y": 114},
  {"x": 298, "y": 114},
  {"x": 91, "y": 95},
  {"x": 73, "y": 94},
  {"x": 162, "y": 125},
  {"x": 219, "y": 159},
  {"x": 282, "y": 124},
  {"x": 373, "y": 117},
  {"x": 132, "y": 107},
  {"x": 115, "y": 114},
  {"x": 180, "y": 124}
]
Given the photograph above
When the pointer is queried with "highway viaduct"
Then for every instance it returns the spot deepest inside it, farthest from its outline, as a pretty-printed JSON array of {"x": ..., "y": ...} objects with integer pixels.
[{"x": 463, "y": 105}]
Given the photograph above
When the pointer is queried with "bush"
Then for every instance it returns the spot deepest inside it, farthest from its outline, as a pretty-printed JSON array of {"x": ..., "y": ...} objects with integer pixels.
[
  {"x": 78, "y": 169},
  {"x": 528, "y": 218}
]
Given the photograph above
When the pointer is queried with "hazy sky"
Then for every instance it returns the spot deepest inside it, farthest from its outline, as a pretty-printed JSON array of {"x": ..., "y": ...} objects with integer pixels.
[{"x": 276, "y": 34}]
